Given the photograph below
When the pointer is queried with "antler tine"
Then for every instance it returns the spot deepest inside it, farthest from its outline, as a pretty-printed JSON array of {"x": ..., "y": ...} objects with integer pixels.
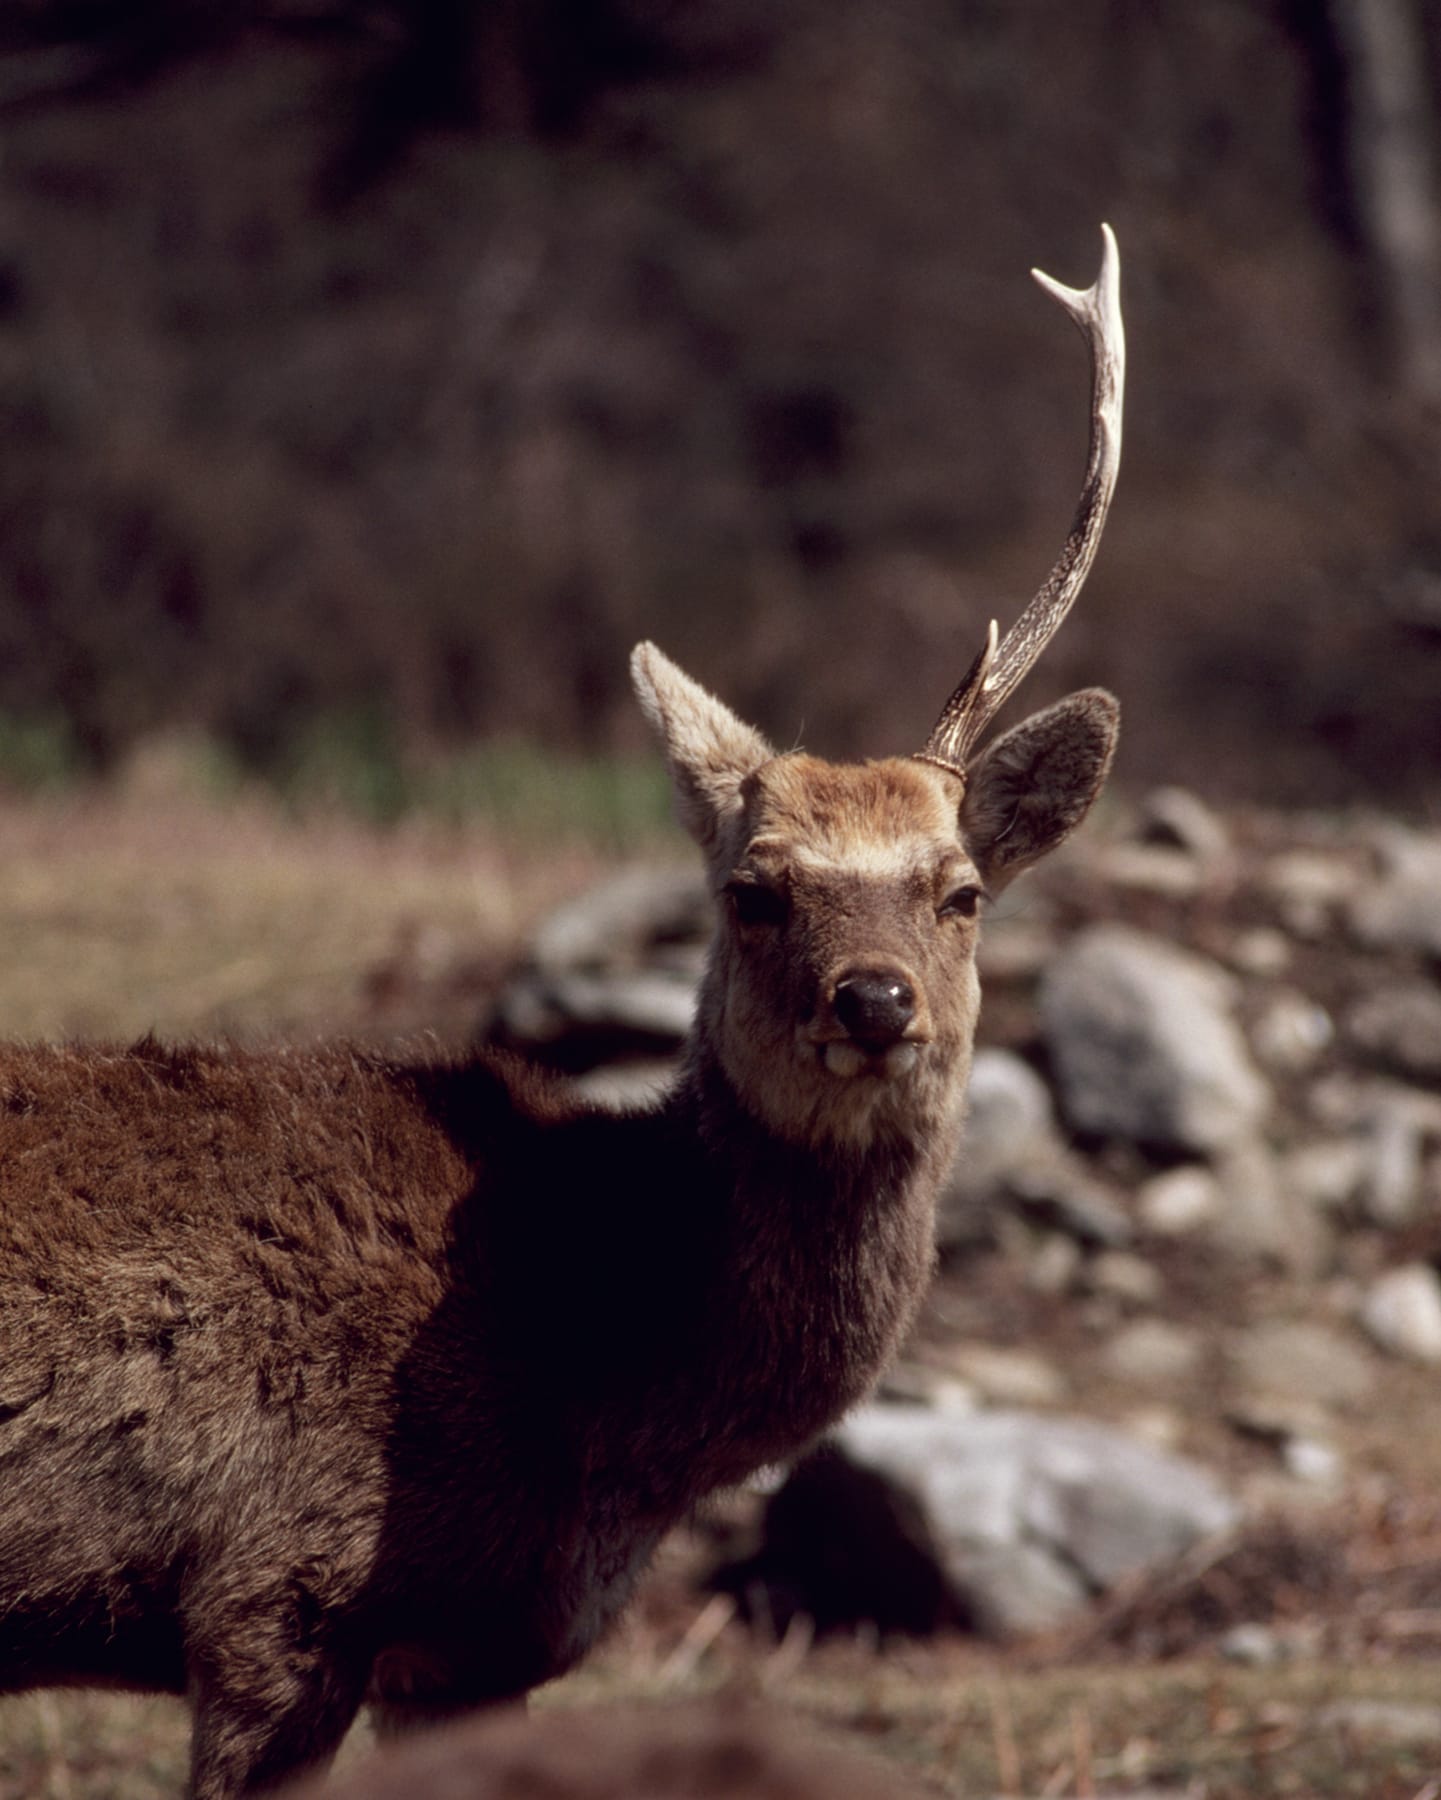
[{"x": 995, "y": 673}]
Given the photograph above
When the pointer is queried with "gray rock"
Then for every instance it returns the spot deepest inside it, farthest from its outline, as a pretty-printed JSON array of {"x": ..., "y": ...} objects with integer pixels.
[
  {"x": 603, "y": 1014},
  {"x": 1144, "y": 1044},
  {"x": 1175, "y": 816},
  {"x": 1291, "y": 1031},
  {"x": 1399, "y": 1028},
  {"x": 622, "y": 920},
  {"x": 1181, "y": 1200},
  {"x": 1325, "y": 1173},
  {"x": 1309, "y": 889},
  {"x": 1292, "y": 1359},
  {"x": 1400, "y": 909},
  {"x": 1402, "y": 1312},
  {"x": 1031, "y": 1516},
  {"x": 1010, "y": 1128},
  {"x": 625, "y": 1087},
  {"x": 1261, "y": 1217},
  {"x": 1392, "y": 1149},
  {"x": 1153, "y": 1353}
]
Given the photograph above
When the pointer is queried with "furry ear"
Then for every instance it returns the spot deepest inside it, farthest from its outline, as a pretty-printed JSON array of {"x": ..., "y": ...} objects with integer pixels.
[
  {"x": 1033, "y": 786},
  {"x": 709, "y": 750}
]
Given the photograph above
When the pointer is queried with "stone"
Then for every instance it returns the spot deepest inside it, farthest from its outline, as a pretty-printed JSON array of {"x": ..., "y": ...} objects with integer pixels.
[
  {"x": 1008, "y": 1377},
  {"x": 1126, "y": 1277},
  {"x": 1175, "y": 816},
  {"x": 1390, "y": 1186},
  {"x": 1293, "y": 1359},
  {"x": 1400, "y": 908},
  {"x": 1399, "y": 1028},
  {"x": 596, "y": 1016},
  {"x": 1010, "y": 1127},
  {"x": 1325, "y": 1173},
  {"x": 1261, "y": 950},
  {"x": 1291, "y": 1031},
  {"x": 626, "y": 1087},
  {"x": 1181, "y": 1200},
  {"x": 1153, "y": 1353},
  {"x": 1144, "y": 1045},
  {"x": 1261, "y": 1217},
  {"x": 1401, "y": 1312},
  {"x": 1309, "y": 889},
  {"x": 620, "y": 921},
  {"x": 1095, "y": 1503}
]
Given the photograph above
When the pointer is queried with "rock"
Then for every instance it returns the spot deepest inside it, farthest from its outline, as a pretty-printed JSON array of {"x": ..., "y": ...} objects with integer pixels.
[
  {"x": 1151, "y": 869},
  {"x": 1182, "y": 1200},
  {"x": 1153, "y": 1353},
  {"x": 1255, "y": 1645},
  {"x": 625, "y": 1087},
  {"x": 621, "y": 921},
  {"x": 1325, "y": 1173},
  {"x": 1291, "y": 1031},
  {"x": 1144, "y": 1045},
  {"x": 1008, "y": 1377},
  {"x": 1390, "y": 1186},
  {"x": 1260, "y": 1217},
  {"x": 1293, "y": 1360},
  {"x": 1031, "y": 1516},
  {"x": 1177, "y": 817},
  {"x": 1400, "y": 908},
  {"x": 1261, "y": 950},
  {"x": 1399, "y": 1028},
  {"x": 1010, "y": 1127},
  {"x": 1125, "y": 1277},
  {"x": 1010, "y": 1521},
  {"x": 581, "y": 1019},
  {"x": 1402, "y": 1312},
  {"x": 1309, "y": 889},
  {"x": 1014, "y": 949},
  {"x": 1064, "y": 1194}
]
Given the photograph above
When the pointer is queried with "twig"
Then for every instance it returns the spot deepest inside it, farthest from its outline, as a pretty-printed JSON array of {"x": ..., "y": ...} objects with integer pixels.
[{"x": 701, "y": 1633}]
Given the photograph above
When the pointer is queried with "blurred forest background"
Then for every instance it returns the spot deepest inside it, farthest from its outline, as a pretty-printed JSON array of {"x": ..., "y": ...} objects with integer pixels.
[{"x": 375, "y": 372}]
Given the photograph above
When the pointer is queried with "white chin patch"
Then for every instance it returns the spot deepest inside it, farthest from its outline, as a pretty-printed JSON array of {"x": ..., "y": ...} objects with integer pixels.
[
  {"x": 845, "y": 1059},
  {"x": 848, "y": 1060}
]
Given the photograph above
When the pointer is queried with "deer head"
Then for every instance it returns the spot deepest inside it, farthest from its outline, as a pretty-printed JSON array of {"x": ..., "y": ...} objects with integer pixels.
[{"x": 841, "y": 995}]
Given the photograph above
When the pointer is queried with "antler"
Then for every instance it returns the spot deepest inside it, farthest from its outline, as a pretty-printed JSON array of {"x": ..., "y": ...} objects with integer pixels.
[{"x": 994, "y": 673}]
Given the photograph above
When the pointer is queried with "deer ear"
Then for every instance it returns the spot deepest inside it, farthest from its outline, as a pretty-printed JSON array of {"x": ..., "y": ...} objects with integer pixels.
[
  {"x": 1033, "y": 786},
  {"x": 709, "y": 750}
]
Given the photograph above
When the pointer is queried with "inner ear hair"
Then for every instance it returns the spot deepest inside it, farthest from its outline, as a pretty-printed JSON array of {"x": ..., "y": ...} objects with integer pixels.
[{"x": 1030, "y": 789}]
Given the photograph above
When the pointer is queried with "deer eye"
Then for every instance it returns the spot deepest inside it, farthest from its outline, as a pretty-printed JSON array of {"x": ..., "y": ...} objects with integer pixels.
[
  {"x": 757, "y": 904},
  {"x": 960, "y": 903}
]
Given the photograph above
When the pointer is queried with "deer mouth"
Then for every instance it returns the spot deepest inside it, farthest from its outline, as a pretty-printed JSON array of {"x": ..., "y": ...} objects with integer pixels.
[{"x": 850, "y": 1057}]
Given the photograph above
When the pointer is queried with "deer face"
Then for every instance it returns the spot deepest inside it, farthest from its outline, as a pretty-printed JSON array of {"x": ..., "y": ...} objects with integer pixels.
[{"x": 841, "y": 994}]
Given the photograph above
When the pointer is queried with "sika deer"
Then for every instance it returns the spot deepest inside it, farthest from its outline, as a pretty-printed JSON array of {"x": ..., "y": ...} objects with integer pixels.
[{"x": 325, "y": 1376}]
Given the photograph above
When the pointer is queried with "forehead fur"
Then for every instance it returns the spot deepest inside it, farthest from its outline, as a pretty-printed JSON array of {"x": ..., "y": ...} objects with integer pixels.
[{"x": 835, "y": 811}]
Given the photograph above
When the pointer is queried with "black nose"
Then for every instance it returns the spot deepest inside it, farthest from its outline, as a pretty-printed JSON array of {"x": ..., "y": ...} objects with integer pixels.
[{"x": 875, "y": 1008}]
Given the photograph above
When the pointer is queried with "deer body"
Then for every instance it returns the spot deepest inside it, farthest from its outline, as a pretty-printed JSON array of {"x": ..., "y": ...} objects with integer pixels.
[{"x": 325, "y": 1376}]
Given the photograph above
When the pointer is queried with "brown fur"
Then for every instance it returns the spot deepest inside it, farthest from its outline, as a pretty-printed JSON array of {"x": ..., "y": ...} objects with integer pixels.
[
  {"x": 721, "y": 1751},
  {"x": 324, "y": 1375}
]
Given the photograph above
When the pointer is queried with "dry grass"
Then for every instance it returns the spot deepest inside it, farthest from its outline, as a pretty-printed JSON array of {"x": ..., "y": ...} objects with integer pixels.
[{"x": 124, "y": 916}]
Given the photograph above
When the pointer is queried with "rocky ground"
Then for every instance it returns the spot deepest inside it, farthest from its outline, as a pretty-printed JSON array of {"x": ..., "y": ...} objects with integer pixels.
[{"x": 1175, "y": 1383}]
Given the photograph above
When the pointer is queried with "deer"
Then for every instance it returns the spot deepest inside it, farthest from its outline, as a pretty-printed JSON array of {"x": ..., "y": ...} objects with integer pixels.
[{"x": 334, "y": 1377}]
